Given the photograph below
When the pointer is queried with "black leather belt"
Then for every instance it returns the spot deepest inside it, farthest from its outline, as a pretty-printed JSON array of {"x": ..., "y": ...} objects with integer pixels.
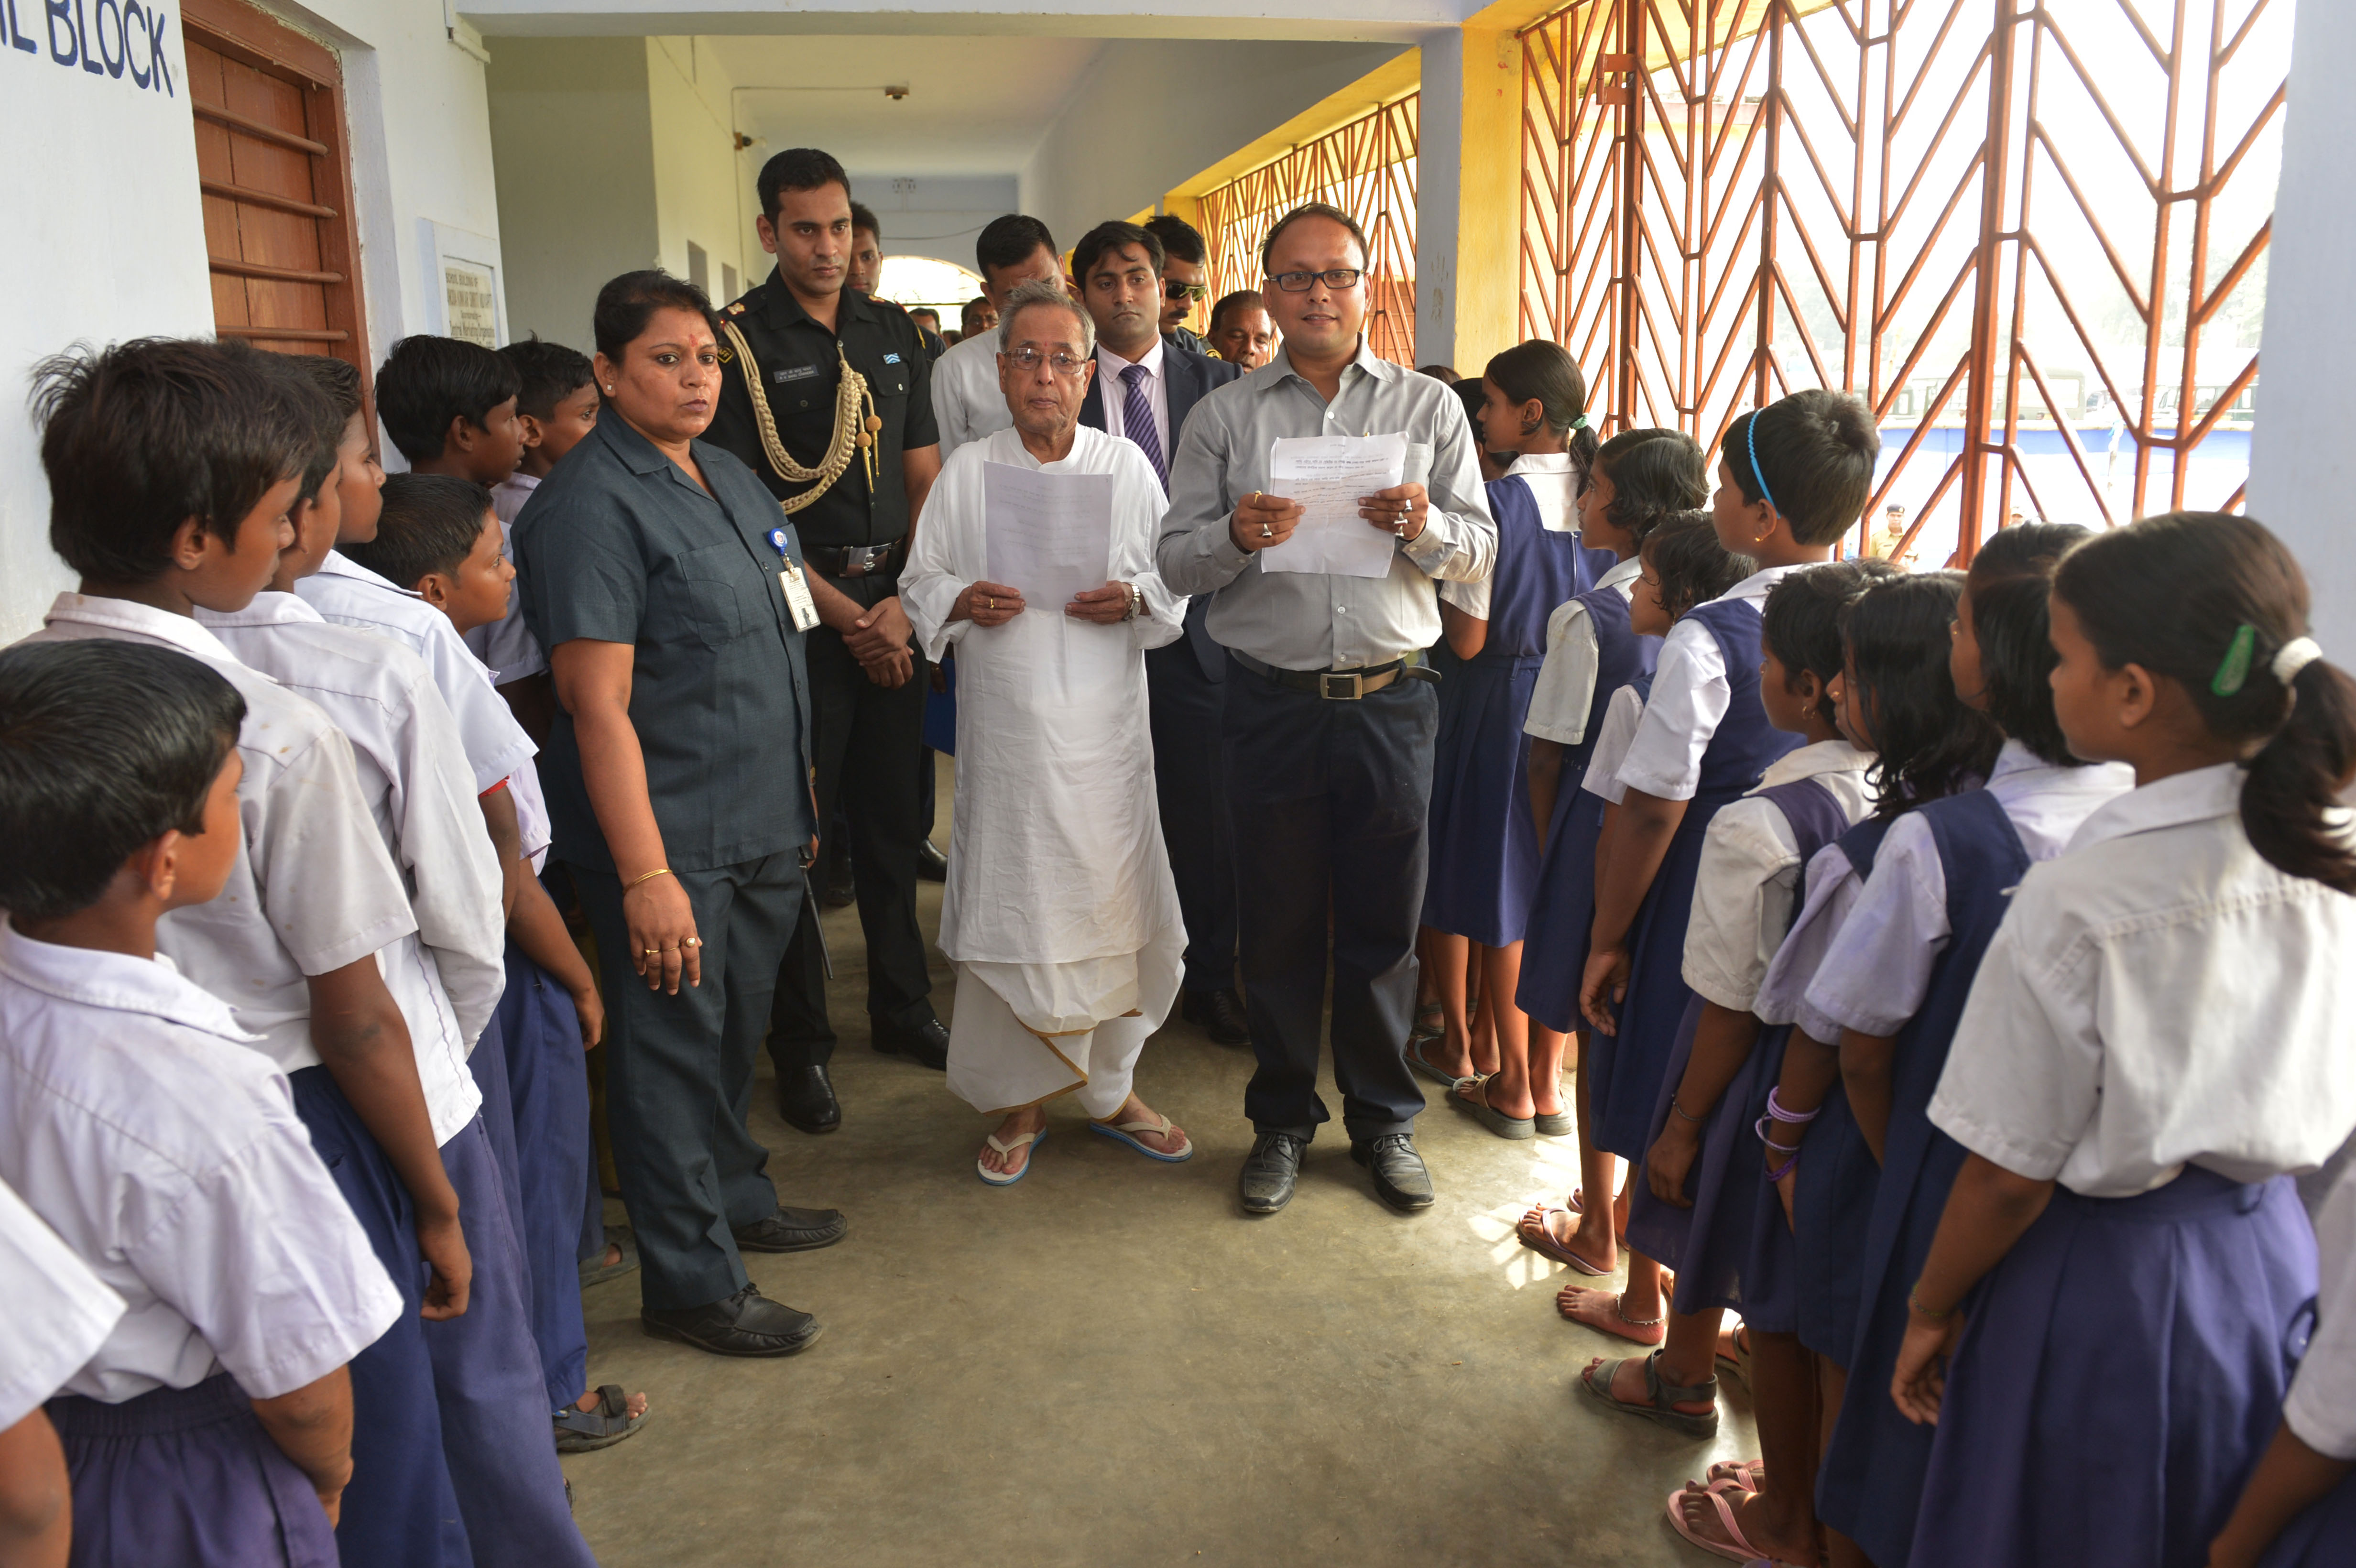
[
  {"x": 855, "y": 559},
  {"x": 1342, "y": 684}
]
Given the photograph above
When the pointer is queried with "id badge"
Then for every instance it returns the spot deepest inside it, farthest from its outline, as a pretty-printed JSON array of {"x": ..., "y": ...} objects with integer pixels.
[{"x": 798, "y": 598}]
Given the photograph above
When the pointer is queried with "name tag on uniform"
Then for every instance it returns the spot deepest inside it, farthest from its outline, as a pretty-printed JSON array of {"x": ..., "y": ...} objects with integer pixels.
[
  {"x": 796, "y": 587},
  {"x": 795, "y": 373}
]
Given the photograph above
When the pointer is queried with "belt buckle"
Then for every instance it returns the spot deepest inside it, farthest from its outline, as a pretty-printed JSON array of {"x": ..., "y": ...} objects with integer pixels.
[
  {"x": 858, "y": 559},
  {"x": 1344, "y": 686}
]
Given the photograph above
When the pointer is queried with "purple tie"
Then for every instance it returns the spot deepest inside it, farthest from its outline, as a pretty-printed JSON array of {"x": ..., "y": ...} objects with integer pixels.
[{"x": 1137, "y": 420}]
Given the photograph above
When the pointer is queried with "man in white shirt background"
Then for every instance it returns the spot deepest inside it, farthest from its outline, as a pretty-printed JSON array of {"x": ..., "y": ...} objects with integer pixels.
[{"x": 1014, "y": 249}]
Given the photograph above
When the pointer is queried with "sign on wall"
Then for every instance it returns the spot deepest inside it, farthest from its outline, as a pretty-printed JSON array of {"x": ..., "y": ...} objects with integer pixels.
[
  {"x": 113, "y": 38},
  {"x": 468, "y": 305}
]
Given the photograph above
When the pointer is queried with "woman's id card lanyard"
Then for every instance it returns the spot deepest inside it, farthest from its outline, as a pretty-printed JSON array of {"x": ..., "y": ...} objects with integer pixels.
[{"x": 790, "y": 579}]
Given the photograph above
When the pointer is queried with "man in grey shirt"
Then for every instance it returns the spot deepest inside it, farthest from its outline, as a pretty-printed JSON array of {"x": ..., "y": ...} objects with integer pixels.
[{"x": 1330, "y": 716}]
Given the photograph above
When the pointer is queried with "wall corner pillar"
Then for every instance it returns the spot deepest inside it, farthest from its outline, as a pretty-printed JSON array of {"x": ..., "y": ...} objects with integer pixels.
[{"x": 1468, "y": 196}]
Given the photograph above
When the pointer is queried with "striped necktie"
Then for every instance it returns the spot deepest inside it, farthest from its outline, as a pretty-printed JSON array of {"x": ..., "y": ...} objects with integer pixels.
[{"x": 1137, "y": 421}]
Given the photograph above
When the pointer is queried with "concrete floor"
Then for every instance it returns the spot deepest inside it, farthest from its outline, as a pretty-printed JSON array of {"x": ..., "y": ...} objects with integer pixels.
[{"x": 1108, "y": 1364}]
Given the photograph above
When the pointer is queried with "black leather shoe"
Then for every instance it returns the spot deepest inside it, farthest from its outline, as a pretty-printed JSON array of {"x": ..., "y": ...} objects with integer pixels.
[
  {"x": 931, "y": 864},
  {"x": 793, "y": 1230},
  {"x": 927, "y": 1044},
  {"x": 1401, "y": 1178},
  {"x": 1221, "y": 1014},
  {"x": 1269, "y": 1172},
  {"x": 805, "y": 1099},
  {"x": 745, "y": 1324}
]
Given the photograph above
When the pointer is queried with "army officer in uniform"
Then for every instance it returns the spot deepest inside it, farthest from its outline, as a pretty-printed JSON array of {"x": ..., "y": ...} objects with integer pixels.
[{"x": 843, "y": 434}]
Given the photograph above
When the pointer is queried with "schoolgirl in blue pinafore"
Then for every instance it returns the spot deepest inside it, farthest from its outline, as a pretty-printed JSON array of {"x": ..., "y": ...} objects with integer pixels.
[
  {"x": 1562, "y": 906},
  {"x": 1627, "y": 1069},
  {"x": 1485, "y": 854}
]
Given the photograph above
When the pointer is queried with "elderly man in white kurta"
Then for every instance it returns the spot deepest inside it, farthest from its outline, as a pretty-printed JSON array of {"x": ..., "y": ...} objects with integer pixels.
[{"x": 1060, "y": 915}]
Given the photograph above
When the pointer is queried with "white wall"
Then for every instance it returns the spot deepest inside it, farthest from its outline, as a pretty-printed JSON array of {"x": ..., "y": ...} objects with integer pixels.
[
  {"x": 698, "y": 196},
  {"x": 933, "y": 215},
  {"x": 2300, "y": 470}
]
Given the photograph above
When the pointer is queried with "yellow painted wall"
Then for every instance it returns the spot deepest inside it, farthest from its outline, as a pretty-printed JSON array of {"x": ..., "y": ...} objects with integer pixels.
[{"x": 1489, "y": 195}]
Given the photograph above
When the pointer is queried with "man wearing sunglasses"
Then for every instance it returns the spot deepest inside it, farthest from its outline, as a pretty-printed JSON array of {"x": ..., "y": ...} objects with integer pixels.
[
  {"x": 1186, "y": 278},
  {"x": 1329, "y": 719}
]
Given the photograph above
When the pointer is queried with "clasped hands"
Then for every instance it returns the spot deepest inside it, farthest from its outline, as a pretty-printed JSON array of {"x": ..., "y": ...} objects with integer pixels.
[
  {"x": 878, "y": 638},
  {"x": 994, "y": 604},
  {"x": 1261, "y": 520}
]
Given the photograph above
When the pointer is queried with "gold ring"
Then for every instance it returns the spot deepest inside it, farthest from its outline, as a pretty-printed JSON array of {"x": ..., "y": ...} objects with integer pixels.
[{"x": 654, "y": 952}]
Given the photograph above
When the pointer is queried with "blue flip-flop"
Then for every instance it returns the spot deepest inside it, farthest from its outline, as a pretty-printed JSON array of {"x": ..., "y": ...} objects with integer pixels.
[
  {"x": 1030, "y": 1140},
  {"x": 1119, "y": 1134}
]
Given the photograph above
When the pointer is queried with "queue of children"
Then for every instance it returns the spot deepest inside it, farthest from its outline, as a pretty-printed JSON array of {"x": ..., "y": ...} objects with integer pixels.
[{"x": 1959, "y": 964}]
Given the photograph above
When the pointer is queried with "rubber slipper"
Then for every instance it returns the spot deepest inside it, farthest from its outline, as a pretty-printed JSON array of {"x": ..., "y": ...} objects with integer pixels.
[
  {"x": 1751, "y": 1474},
  {"x": 1661, "y": 1397},
  {"x": 1545, "y": 1244},
  {"x": 1488, "y": 1115},
  {"x": 997, "y": 1179},
  {"x": 1741, "y": 1550},
  {"x": 1119, "y": 1132},
  {"x": 1555, "y": 1124},
  {"x": 600, "y": 1271},
  {"x": 1415, "y": 1058},
  {"x": 582, "y": 1431}
]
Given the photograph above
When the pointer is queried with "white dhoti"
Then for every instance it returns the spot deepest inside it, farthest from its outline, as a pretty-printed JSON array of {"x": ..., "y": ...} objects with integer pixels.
[{"x": 1059, "y": 912}]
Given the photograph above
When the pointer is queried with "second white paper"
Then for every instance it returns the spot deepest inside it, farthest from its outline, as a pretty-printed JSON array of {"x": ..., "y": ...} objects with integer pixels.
[
  {"x": 1049, "y": 535},
  {"x": 1327, "y": 474}
]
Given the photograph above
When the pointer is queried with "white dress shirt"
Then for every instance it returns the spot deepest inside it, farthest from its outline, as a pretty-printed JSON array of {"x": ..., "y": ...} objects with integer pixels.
[
  {"x": 312, "y": 888},
  {"x": 1114, "y": 393},
  {"x": 967, "y": 402},
  {"x": 1875, "y": 976},
  {"x": 1690, "y": 695},
  {"x": 508, "y": 646},
  {"x": 58, "y": 1312},
  {"x": 1554, "y": 479},
  {"x": 1743, "y": 890},
  {"x": 2321, "y": 1408},
  {"x": 1314, "y": 621},
  {"x": 1565, "y": 691},
  {"x": 137, "y": 1121},
  {"x": 1622, "y": 714},
  {"x": 349, "y": 595},
  {"x": 447, "y": 977},
  {"x": 2158, "y": 996}
]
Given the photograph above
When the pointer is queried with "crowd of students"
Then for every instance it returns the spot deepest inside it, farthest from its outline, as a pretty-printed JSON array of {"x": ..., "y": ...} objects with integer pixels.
[{"x": 1957, "y": 962}]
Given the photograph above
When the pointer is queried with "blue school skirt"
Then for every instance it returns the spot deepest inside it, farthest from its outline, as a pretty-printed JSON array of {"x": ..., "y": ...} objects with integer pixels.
[
  {"x": 186, "y": 1477},
  {"x": 1832, "y": 1202},
  {"x": 2123, "y": 1368},
  {"x": 1562, "y": 911},
  {"x": 1483, "y": 845}
]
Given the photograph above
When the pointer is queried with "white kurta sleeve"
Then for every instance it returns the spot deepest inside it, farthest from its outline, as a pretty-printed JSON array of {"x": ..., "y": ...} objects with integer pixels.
[
  {"x": 1138, "y": 505},
  {"x": 931, "y": 582}
]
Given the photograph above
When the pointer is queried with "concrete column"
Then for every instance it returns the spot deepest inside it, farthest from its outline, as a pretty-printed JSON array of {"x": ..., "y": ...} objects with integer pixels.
[
  {"x": 1467, "y": 197},
  {"x": 2300, "y": 459}
]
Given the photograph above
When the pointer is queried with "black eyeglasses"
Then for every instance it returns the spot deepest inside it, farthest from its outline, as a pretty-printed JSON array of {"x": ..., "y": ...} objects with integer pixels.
[
  {"x": 1334, "y": 278},
  {"x": 1173, "y": 288}
]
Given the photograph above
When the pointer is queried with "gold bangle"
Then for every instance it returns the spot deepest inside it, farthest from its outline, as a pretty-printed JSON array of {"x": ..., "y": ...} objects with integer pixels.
[
  {"x": 1914, "y": 1301},
  {"x": 650, "y": 876}
]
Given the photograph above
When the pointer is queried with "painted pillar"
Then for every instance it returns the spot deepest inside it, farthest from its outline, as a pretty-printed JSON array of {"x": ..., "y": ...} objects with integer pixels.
[
  {"x": 2301, "y": 460},
  {"x": 1467, "y": 197}
]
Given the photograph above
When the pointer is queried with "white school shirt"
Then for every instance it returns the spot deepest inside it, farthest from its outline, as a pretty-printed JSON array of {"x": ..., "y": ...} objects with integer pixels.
[
  {"x": 58, "y": 1312},
  {"x": 1690, "y": 696},
  {"x": 508, "y": 646},
  {"x": 1554, "y": 479},
  {"x": 1876, "y": 976},
  {"x": 1114, "y": 393},
  {"x": 349, "y": 595},
  {"x": 1566, "y": 684},
  {"x": 531, "y": 815},
  {"x": 2158, "y": 996},
  {"x": 1621, "y": 717},
  {"x": 312, "y": 888},
  {"x": 136, "y": 1120},
  {"x": 967, "y": 402},
  {"x": 447, "y": 977},
  {"x": 1749, "y": 871},
  {"x": 1833, "y": 885},
  {"x": 2321, "y": 1408}
]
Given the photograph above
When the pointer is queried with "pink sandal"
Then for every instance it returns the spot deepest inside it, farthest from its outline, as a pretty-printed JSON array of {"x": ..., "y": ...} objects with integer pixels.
[{"x": 1741, "y": 1550}]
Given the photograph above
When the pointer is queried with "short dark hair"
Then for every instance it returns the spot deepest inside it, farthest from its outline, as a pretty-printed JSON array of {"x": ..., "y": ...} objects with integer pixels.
[
  {"x": 1108, "y": 237},
  {"x": 1817, "y": 451},
  {"x": 1654, "y": 473},
  {"x": 799, "y": 168},
  {"x": 863, "y": 217},
  {"x": 2011, "y": 584},
  {"x": 1444, "y": 374},
  {"x": 1543, "y": 372},
  {"x": 1926, "y": 743},
  {"x": 427, "y": 381},
  {"x": 430, "y": 523},
  {"x": 321, "y": 415},
  {"x": 1009, "y": 240},
  {"x": 1801, "y": 622},
  {"x": 1325, "y": 209},
  {"x": 1180, "y": 238},
  {"x": 1693, "y": 568},
  {"x": 926, "y": 312},
  {"x": 104, "y": 747},
  {"x": 1473, "y": 395},
  {"x": 1242, "y": 299},
  {"x": 139, "y": 437},
  {"x": 627, "y": 304},
  {"x": 551, "y": 372},
  {"x": 337, "y": 381}
]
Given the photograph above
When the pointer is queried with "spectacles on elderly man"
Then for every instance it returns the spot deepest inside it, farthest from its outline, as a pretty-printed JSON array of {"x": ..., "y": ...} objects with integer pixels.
[
  {"x": 1335, "y": 278},
  {"x": 1063, "y": 361},
  {"x": 1173, "y": 288}
]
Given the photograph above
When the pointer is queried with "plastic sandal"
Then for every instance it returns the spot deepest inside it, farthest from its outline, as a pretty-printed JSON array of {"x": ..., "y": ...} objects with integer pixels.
[
  {"x": 1751, "y": 1474},
  {"x": 1741, "y": 1550},
  {"x": 1488, "y": 1115},
  {"x": 1540, "y": 1239},
  {"x": 1120, "y": 1133},
  {"x": 1415, "y": 1058},
  {"x": 997, "y": 1179},
  {"x": 598, "y": 1271},
  {"x": 585, "y": 1431},
  {"x": 1662, "y": 1397}
]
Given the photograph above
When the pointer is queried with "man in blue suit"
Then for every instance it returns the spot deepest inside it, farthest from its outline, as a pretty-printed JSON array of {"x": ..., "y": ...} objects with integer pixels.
[{"x": 1144, "y": 387}]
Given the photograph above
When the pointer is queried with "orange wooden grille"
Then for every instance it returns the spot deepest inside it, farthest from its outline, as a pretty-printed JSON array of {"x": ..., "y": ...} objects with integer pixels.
[
  {"x": 2031, "y": 234},
  {"x": 1367, "y": 169}
]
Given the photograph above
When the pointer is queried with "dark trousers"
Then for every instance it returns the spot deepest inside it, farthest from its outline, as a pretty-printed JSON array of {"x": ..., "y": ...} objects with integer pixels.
[
  {"x": 1191, "y": 788},
  {"x": 1327, "y": 801},
  {"x": 543, "y": 1139},
  {"x": 863, "y": 739},
  {"x": 679, "y": 1073}
]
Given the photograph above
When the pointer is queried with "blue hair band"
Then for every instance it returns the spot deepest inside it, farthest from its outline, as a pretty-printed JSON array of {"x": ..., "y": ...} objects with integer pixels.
[{"x": 1751, "y": 444}]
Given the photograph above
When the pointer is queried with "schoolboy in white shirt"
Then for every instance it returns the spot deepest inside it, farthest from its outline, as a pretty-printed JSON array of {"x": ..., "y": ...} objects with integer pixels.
[{"x": 213, "y": 1426}]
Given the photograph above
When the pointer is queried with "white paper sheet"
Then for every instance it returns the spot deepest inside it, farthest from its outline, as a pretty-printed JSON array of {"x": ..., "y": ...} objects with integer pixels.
[
  {"x": 1327, "y": 474},
  {"x": 1049, "y": 535}
]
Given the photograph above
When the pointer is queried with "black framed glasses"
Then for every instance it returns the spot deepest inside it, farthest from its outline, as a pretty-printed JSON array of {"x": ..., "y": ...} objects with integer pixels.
[
  {"x": 1026, "y": 359},
  {"x": 1173, "y": 288},
  {"x": 1334, "y": 278}
]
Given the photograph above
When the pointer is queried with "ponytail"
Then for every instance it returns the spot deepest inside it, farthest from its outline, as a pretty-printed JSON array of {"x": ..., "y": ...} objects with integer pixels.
[
  {"x": 2216, "y": 603},
  {"x": 1545, "y": 372}
]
